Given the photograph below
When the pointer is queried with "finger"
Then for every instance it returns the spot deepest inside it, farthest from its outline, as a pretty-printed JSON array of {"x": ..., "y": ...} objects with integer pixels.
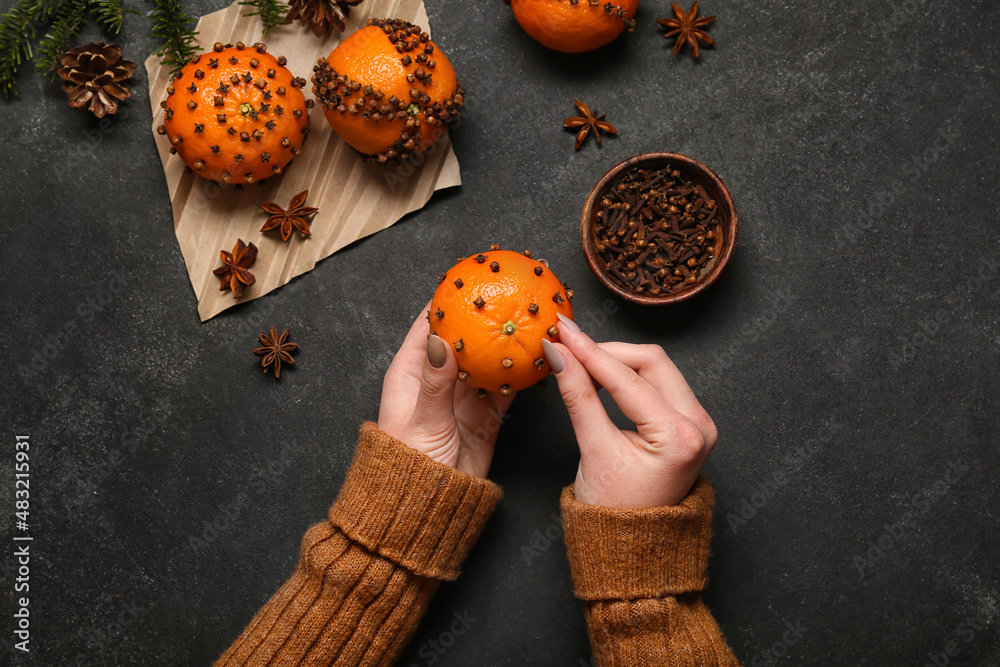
[
  {"x": 479, "y": 417},
  {"x": 416, "y": 337},
  {"x": 412, "y": 351},
  {"x": 637, "y": 398},
  {"x": 500, "y": 402},
  {"x": 403, "y": 375},
  {"x": 590, "y": 421},
  {"x": 653, "y": 365},
  {"x": 491, "y": 403},
  {"x": 435, "y": 406}
]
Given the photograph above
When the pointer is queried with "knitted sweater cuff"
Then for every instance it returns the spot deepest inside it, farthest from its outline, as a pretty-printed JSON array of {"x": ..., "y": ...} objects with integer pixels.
[
  {"x": 629, "y": 554},
  {"x": 402, "y": 505}
]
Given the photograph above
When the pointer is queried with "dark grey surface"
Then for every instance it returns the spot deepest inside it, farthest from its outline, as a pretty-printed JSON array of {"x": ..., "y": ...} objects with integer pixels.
[{"x": 858, "y": 318}]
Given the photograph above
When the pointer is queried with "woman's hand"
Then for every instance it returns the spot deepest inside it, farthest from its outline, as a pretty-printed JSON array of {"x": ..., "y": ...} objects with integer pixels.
[
  {"x": 656, "y": 464},
  {"x": 425, "y": 406}
]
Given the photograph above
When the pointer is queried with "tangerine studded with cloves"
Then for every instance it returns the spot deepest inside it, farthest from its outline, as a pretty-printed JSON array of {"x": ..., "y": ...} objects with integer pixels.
[
  {"x": 236, "y": 114},
  {"x": 388, "y": 91},
  {"x": 574, "y": 26},
  {"x": 495, "y": 308}
]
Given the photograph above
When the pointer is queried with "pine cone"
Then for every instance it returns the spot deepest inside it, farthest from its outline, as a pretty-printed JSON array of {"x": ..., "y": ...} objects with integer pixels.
[
  {"x": 323, "y": 15},
  {"x": 95, "y": 75}
]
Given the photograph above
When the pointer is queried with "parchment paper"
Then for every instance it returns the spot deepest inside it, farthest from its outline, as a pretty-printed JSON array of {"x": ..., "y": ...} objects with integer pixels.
[{"x": 355, "y": 198}]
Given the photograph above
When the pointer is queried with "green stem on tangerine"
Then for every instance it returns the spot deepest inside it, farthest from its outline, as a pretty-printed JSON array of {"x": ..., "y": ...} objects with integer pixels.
[
  {"x": 509, "y": 328},
  {"x": 246, "y": 109}
]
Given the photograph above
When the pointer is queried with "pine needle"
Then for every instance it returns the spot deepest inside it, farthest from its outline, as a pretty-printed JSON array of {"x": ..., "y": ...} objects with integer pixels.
[
  {"x": 173, "y": 27},
  {"x": 109, "y": 14},
  {"x": 18, "y": 28},
  {"x": 271, "y": 13},
  {"x": 69, "y": 20}
]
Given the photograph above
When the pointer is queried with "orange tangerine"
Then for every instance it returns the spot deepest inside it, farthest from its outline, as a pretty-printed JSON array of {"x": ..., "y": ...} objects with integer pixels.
[
  {"x": 494, "y": 309},
  {"x": 236, "y": 114},
  {"x": 574, "y": 26},
  {"x": 388, "y": 90}
]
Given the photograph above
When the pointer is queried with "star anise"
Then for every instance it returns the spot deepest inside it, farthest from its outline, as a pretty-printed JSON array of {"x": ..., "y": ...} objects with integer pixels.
[
  {"x": 687, "y": 28},
  {"x": 234, "y": 272},
  {"x": 275, "y": 349},
  {"x": 294, "y": 216},
  {"x": 588, "y": 122}
]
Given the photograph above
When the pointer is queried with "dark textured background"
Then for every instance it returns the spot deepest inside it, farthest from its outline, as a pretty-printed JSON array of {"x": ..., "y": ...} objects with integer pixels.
[{"x": 858, "y": 320}]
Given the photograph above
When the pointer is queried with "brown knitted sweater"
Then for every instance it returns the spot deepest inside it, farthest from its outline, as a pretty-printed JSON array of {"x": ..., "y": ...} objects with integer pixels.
[{"x": 403, "y": 523}]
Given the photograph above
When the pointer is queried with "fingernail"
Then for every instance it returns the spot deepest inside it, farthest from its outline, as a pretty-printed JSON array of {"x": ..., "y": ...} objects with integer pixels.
[
  {"x": 543, "y": 262},
  {"x": 553, "y": 357},
  {"x": 437, "y": 352},
  {"x": 568, "y": 323}
]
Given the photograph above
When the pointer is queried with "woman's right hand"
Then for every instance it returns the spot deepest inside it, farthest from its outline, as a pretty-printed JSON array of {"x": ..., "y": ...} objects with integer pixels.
[{"x": 653, "y": 466}]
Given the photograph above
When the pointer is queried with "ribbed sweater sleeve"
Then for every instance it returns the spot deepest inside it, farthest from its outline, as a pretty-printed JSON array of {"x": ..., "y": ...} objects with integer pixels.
[
  {"x": 401, "y": 524},
  {"x": 640, "y": 573}
]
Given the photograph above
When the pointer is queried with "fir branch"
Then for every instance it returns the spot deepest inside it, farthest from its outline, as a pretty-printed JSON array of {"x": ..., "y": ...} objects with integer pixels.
[
  {"x": 173, "y": 26},
  {"x": 271, "y": 13},
  {"x": 69, "y": 20},
  {"x": 109, "y": 14},
  {"x": 18, "y": 28}
]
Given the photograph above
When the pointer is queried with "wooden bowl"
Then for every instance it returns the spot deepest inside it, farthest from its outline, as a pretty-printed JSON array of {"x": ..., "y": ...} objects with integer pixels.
[{"x": 691, "y": 170}]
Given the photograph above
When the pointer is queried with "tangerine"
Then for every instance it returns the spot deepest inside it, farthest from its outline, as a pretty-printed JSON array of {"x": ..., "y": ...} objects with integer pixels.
[
  {"x": 495, "y": 309},
  {"x": 242, "y": 118},
  {"x": 574, "y": 26},
  {"x": 388, "y": 90}
]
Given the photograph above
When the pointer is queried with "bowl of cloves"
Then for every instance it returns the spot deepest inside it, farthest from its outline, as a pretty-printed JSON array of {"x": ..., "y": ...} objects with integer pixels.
[{"x": 658, "y": 228}]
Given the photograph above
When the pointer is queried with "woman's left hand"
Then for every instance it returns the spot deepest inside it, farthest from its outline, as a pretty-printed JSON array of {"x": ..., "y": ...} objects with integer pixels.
[{"x": 425, "y": 406}]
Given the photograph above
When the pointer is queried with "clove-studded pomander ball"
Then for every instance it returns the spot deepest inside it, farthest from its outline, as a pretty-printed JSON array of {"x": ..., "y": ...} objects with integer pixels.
[
  {"x": 236, "y": 114},
  {"x": 574, "y": 26},
  {"x": 494, "y": 309},
  {"x": 388, "y": 90}
]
